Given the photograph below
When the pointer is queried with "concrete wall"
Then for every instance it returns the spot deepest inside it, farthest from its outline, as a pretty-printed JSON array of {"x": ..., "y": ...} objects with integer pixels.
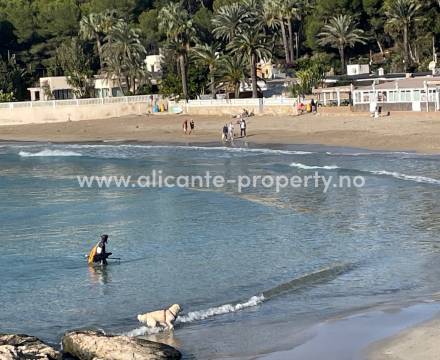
[
  {"x": 38, "y": 115},
  {"x": 234, "y": 110}
]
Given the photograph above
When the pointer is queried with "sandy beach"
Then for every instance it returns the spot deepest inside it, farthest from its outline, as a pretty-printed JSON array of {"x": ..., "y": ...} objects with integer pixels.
[
  {"x": 419, "y": 342},
  {"x": 405, "y": 131}
]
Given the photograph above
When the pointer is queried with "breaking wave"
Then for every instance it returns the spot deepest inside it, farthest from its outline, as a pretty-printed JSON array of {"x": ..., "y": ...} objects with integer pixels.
[
  {"x": 190, "y": 147},
  {"x": 394, "y": 174},
  {"x": 220, "y": 310},
  {"x": 321, "y": 276},
  {"x": 309, "y": 167},
  {"x": 400, "y": 176},
  {"x": 48, "y": 153}
]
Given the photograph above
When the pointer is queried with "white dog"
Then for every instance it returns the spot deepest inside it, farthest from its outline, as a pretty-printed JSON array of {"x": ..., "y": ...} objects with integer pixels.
[{"x": 165, "y": 317}]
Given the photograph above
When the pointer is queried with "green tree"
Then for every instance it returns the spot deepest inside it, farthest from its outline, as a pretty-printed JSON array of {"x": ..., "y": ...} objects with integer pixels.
[
  {"x": 308, "y": 78},
  {"x": 207, "y": 55},
  {"x": 228, "y": 20},
  {"x": 254, "y": 45},
  {"x": 341, "y": 32},
  {"x": 124, "y": 7},
  {"x": 401, "y": 15},
  {"x": 376, "y": 21},
  {"x": 124, "y": 55},
  {"x": 90, "y": 29},
  {"x": 76, "y": 66},
  {"x": 273, "y": 18},
  {"x": 13, "y": 79},
  {"x": 203, "y": 24},
  {"x": 21, "y": 14},
  {"x": 176, "y": 23},
  {"x": 231, "y": 73},
  {"x": 149, "y": 27}
]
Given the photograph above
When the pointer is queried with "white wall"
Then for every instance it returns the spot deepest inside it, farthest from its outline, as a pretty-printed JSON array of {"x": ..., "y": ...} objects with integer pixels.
[{"x": 356, "y": 69}]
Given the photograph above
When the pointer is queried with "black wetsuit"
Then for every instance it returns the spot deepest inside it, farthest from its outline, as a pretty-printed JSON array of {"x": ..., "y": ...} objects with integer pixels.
[{"x": 102, "y": 256}]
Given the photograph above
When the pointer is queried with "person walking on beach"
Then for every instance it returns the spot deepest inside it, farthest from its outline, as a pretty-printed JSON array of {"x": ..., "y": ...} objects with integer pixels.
[
  {"x": 225, "y": 133},
  {"x": 185, "y": 126},
  {"x": 191, "y": 126},
  {"x": 243, "y": 127},
  {"x": 231, "y": 131},
  {"x": 98, "y": 253},
  {"x": 313, "y": 104}
]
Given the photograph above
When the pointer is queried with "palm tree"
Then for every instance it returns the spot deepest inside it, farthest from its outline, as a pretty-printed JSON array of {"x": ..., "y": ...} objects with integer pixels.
[
  {"x": 290, "y": 11},
  {"x": 231, "y": 73},
  {"x": 340, "y": 32},
  {"x": 208, "y": 56},
  {"x": 254, "y": 45},
  {"x": 124, "y": 54},
  {"x": 273, "y": 18},
  {"x": 176, "y": 23},
  {"x": 401, "y": 15},
  {"x": 95, "y": 26},
  {"x": 228, "y": 20},
  {"x": 109, "y": 19},
  {"x": 90, "y": 29}
]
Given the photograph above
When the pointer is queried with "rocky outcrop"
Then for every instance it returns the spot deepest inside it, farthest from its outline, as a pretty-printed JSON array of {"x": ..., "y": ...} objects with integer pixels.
[
  {"x": 93, "y": 345},
  {"x": 23, "y": 347}
]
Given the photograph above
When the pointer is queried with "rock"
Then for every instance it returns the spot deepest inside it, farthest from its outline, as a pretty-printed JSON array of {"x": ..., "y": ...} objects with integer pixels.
[
  {"x": 94, "y": 345},
  {"x": 22, "y": 347}
]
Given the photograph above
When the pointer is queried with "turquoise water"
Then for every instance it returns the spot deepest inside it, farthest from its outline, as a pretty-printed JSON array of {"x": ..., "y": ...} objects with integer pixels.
[{"x": 250, "y": 269}]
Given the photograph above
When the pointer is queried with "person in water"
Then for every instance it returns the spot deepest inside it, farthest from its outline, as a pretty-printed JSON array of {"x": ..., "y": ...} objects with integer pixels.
[{"x": 101, "y": 255}]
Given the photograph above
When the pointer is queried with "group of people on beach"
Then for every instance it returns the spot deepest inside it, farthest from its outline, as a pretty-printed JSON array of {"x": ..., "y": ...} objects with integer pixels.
[
  {"x": 312, "y": 107},
  {"x": 228, "y": 133},
  {"x": 191, "y": 126}
]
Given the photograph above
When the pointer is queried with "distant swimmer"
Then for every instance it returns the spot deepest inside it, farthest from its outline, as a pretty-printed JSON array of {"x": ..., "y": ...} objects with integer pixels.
[{"x": 98, "y": 253}]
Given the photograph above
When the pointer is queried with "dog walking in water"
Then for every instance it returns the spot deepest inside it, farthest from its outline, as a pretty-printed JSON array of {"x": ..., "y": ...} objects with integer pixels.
[{"x": 165, "y": 317}]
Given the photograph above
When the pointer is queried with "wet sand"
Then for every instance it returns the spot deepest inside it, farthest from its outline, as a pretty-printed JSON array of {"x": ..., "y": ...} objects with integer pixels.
[
  {"x": 421, "y": 342},
  {"x": 399, "y": 132},
  {"x": 354, "y": 337}
]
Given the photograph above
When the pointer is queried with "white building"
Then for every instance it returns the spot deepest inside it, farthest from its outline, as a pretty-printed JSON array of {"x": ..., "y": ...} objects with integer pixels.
[
  {"x": 107, "y": 88},
  {"x": 357, "y": 69},
  {"x": 153, "y": 63},
  {"x": 58, "y": 88},
  {"x": 410, "y": 94},
  {"x": 52, "y": 88}
]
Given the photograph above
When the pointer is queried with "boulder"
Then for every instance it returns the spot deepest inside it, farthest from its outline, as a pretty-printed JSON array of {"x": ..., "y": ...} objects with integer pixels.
[
  {"x": 94, "y": 345},
  {"x": 22, "y": 347}
]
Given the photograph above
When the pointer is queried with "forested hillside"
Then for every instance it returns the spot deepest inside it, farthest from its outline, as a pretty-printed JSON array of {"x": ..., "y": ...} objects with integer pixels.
[{"x": 208, "y": 44}]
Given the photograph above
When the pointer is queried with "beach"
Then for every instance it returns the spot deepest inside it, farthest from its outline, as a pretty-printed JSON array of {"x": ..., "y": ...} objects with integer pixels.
[
  {"x": 418, "y": 342},
  {"x": 418, "y": 132}
]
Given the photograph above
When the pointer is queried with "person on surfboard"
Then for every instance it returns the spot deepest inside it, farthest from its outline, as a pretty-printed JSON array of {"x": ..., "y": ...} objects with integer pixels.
[{"x": 98, "y": 253}]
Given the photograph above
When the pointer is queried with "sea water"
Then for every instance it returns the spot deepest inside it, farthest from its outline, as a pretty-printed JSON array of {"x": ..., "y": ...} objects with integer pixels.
[{"x": 252, "y": 269}]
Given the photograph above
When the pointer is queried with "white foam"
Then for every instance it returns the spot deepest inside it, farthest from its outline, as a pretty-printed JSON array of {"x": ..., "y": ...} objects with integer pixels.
[
  {"x": 200, "y": 315},
  {"x": 371, "y": 153},
  {"x": 309, "y": 167},
  {"x": 48, "y": 153},
  {"x": 144, "y": 330},
  {"x": 219, "y": 310},
  {"x": 400, "y": 176},
  {"x": 204, "y": 148}
]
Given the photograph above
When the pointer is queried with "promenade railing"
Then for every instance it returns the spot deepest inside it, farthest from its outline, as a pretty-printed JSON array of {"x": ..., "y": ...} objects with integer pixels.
[{"x": 75, "y": 102}]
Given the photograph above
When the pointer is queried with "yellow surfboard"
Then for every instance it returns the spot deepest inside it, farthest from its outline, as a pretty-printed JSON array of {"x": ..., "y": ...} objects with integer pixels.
[{"x": 92, "y": 254}]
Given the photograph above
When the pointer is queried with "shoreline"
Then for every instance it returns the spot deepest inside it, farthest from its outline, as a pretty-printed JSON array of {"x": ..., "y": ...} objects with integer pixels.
[
  {"x": 396, "y": 332},
  {"x": 416, "y": 342},
  {"x": 400, "y": 132}
]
